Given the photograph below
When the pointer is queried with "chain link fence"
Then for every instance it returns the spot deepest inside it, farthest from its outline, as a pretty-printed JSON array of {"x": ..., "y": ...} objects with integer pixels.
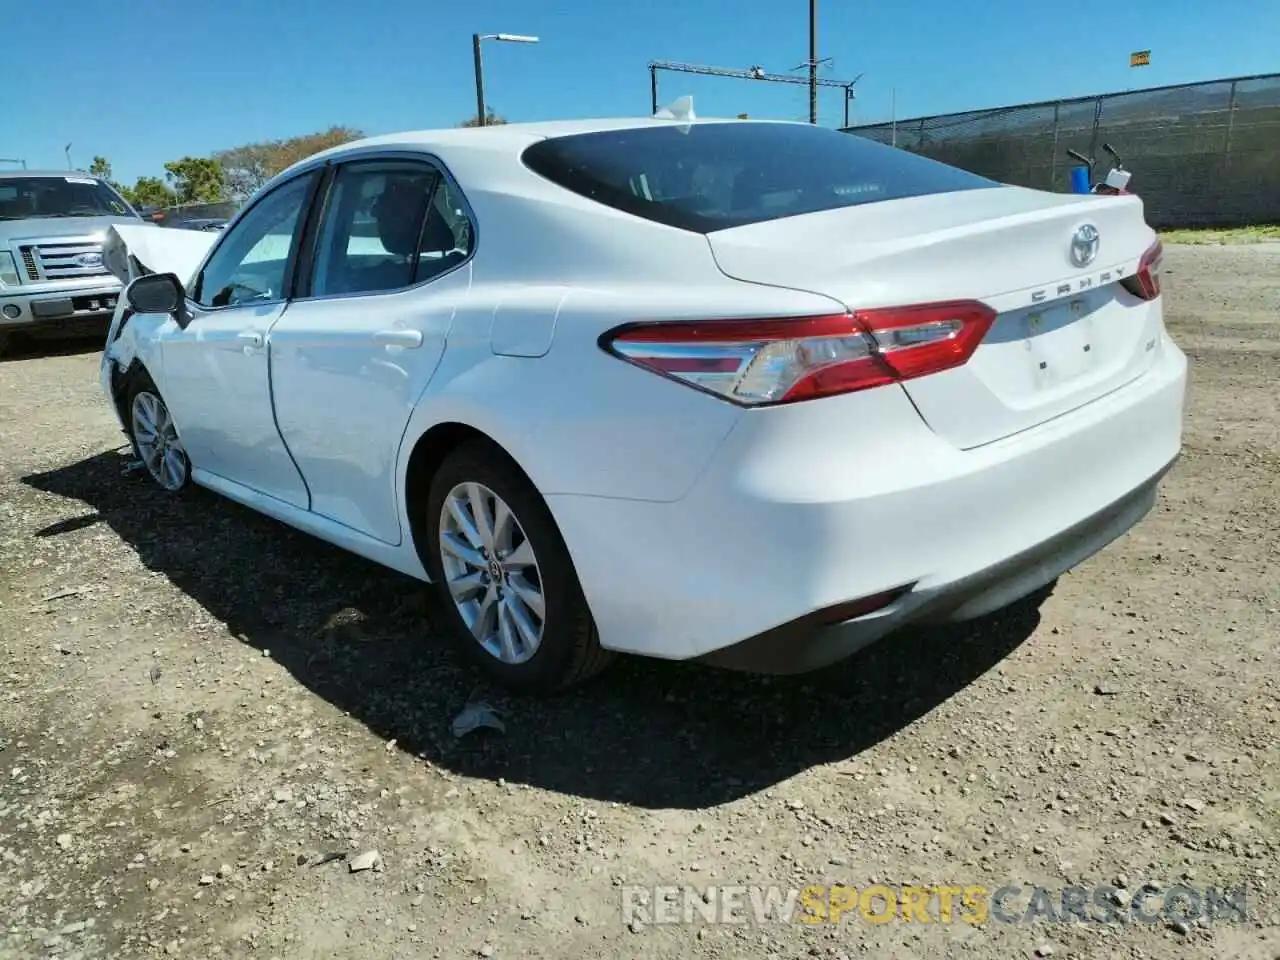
[{"x": 1202, "y": 154}]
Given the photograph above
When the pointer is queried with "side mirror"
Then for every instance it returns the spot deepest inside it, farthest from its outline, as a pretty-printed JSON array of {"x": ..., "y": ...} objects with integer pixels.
[{"x": 157, "y": 293}]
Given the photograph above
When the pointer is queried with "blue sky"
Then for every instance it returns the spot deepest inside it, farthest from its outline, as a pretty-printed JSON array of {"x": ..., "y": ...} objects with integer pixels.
[{"x": 146, "y": 81}]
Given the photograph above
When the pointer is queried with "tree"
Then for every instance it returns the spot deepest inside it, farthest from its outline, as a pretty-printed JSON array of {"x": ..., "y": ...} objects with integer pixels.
[
  {"x": 196, "y": 179},
  {"x": 101, "y": 168},
  {"x": 249, "y": 166},
  {"x": 149, "y": 192},
  {"x": 491, "y": 119}
]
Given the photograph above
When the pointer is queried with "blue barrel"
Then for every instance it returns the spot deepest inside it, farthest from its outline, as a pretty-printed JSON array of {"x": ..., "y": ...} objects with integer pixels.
[{"x": 1079, "y": 179}]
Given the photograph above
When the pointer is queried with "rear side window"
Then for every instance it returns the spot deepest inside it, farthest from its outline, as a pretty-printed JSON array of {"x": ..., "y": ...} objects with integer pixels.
[{"x": 711, "y": 176}]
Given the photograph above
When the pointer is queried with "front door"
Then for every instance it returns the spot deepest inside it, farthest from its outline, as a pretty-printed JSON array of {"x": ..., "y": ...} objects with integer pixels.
[{"x": 217, "y": 379}]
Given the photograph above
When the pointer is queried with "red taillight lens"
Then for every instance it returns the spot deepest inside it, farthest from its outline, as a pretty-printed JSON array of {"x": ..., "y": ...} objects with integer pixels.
[
  {"x": 1146, "y": 282},
  {"x": 755, "y": 362}
]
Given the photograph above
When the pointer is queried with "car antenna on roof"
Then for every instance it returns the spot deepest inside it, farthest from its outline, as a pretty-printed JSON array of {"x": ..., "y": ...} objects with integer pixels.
[{"x": 681, "y": 109}]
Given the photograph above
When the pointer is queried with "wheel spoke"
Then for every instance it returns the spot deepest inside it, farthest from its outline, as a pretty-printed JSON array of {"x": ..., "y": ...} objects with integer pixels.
[
  {"x": 465, "y": 587},
  {"x": 144, "y": 434},
  {"x": 528, "y": 594},
  {"x": 521, "y": 557},
  {"x": 460, "y": 548},
  {"x": 507, "y": 632},
  {"x": 173, "y": 468},
  {"x": 503, "y": 525},
  {"x": 529, "y": 635},
  {"x": 479, "y": 501},
  {"x": 482, "y": 626},
  {"x": 142, "y": 424},
  {"x": 464, "y": 523}
]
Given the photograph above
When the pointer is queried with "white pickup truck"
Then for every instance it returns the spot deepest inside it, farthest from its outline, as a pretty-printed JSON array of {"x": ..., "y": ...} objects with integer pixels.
[{"x": 53, "y": 282}]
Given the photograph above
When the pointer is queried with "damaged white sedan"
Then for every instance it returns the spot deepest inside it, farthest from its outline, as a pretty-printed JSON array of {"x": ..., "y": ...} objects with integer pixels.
[{"x": 745, "y": 392}]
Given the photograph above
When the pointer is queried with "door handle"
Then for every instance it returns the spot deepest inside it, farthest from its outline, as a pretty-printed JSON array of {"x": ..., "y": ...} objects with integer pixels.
[
  {"x": 399, "y": 338},
  {"x": 250, "y": 338}
]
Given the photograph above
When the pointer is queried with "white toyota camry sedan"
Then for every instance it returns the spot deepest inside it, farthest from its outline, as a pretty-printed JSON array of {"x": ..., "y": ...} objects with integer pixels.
[{"x": 745, "y": 392}]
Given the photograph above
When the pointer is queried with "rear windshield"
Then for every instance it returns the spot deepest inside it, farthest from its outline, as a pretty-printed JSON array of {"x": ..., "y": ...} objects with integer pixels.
[{"x": 711, "y": 176}]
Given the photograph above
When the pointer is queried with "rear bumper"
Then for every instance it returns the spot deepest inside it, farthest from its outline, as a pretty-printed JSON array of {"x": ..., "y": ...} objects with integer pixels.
[
  {"x": 804, "y": 508},
  {"x": 811, "y": 642}
]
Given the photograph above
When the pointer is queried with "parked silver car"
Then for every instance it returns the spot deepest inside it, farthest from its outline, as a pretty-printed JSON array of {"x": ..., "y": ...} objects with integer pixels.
[{"x": 52, "y": 278}]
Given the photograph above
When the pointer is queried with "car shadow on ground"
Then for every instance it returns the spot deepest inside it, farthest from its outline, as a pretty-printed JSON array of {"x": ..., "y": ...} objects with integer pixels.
[
  {"x": 647, "y": 733},
  {"x": 31, "y": 348}
]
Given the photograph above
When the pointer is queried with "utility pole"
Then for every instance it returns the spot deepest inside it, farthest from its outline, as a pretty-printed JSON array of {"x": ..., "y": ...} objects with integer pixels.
[{"x": 813, "y": 61}]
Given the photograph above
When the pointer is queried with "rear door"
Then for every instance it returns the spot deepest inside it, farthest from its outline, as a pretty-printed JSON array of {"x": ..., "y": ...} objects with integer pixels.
[{"x": 355, "y": 350}]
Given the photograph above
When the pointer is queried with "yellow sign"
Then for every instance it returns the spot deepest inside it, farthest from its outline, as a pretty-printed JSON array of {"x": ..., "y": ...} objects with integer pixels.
[{"x": 1141, "y": 58}]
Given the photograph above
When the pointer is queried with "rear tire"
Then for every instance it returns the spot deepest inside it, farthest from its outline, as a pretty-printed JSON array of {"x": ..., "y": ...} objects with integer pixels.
[{"x": 504, "y": 575}]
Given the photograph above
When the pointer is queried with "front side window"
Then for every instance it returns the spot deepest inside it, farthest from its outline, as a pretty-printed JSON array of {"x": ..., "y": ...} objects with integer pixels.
[
  {"x": 29, "y": 198},
  {"x": 387, "y": 225},
  {"x": 251, "y": 264}
]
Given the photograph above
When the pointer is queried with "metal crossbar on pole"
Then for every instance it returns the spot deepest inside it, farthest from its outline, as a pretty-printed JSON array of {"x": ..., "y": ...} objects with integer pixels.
[{"x": 751, "y": 73}]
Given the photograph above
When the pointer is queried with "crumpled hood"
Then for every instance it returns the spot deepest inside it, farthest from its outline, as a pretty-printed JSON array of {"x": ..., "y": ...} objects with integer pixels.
[
  {"x": 42, "y": 228},
  {"x": 133, "y": 250}
]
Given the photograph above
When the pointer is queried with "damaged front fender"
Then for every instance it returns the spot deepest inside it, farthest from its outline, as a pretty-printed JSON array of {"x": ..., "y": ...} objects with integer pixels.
[{"x": 130, "y": 251}]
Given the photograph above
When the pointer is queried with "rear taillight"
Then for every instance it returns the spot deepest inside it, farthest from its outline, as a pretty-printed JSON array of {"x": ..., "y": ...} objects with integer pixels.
[
  {"x": 1146, "y": 282},
  {"x": 756, "y": 362}
]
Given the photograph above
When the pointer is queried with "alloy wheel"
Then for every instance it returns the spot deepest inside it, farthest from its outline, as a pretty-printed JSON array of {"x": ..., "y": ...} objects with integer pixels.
[
  {"x": 491, "y": 572},
  {"x": 157, "y": 441}
]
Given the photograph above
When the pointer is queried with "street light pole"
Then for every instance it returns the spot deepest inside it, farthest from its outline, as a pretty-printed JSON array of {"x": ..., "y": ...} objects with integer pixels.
[
  {"x": 476, "y": 40},
  {"x": 475, "y": 46}
]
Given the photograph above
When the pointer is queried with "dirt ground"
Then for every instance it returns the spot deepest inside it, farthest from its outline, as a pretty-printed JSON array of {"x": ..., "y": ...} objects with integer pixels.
[{"x": 198, "y": 705}]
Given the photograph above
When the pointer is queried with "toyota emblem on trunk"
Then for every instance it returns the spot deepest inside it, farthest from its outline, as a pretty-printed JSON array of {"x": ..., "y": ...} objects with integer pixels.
[{"x": 1084, "y": 245}]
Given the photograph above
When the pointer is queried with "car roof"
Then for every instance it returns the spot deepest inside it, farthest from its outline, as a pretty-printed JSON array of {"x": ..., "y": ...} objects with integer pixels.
[
  {"x": 504, "y": 138},
  {"x": 60, "y": 174}
]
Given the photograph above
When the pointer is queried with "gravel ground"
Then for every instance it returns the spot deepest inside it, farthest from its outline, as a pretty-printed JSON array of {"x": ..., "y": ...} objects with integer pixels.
[{"x": 205, "y": 717}]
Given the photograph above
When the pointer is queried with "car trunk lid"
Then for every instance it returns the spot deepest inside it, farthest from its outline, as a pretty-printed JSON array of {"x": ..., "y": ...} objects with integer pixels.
[{"x": 1065, "y": 332}]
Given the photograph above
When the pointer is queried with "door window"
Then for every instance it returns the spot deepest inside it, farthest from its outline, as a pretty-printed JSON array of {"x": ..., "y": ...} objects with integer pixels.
[
  {"x": 387, "y": 225},
  {"x": 251, "y": 263}
]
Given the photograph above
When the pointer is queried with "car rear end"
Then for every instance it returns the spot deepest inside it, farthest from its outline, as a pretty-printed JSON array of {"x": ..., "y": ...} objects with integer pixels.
[{"x": 990, "y": 399}]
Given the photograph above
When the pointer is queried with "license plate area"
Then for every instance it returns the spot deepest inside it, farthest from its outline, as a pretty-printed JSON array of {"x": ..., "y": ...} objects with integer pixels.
[
  {"x": 59, "y": 307},
  {"x": 1065, "y": 341}
]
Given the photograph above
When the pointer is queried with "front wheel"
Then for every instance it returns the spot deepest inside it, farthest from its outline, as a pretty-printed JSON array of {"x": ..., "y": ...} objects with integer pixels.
[
  {"x": 505, "y": 576},
  {"x": 155, "y": 436}
]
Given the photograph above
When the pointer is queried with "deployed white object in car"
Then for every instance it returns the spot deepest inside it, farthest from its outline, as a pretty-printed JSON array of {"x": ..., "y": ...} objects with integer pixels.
[
  {"x": 132, "y": 250},
  {"x": 681, "y": 109}
]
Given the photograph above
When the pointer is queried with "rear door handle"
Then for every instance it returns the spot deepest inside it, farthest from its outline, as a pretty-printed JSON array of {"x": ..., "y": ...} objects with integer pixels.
[
  {"x": 399, "y": 338},
  {"x": 250, "y": 338}
]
